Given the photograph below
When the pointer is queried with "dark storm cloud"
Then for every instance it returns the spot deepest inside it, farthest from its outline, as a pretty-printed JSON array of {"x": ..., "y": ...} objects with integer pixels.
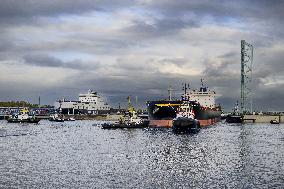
[
  {"x": 219, "y": 69},
  {"x": 263, "y": 15},
  {"x": 49, "y": 61},
  {"x": 160, "y": 26},
  {"x": 229, "y": 55},
  {"x": 223, "y": 80},
  {"x": 31, "y": 8},
  {"x": 6, "y": 46},
  {"x": 177, "y": 61},
  {"x": 32, "y": 12},
  {"x": 259, "y": 21},
  {"x": 147, "y": 86},
  {"x": 222, "y": 8},
  {"x": 179, "y": 7},
  {"x": 174, "y": 12},
  {"x": 268, "y": 98},
  {"x": 267, "y": 67}
]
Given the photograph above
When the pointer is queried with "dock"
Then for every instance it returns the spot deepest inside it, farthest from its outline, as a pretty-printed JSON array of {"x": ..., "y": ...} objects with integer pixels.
[
  {"x": 262, "y": 118},
  {"x": 246, "y": 120}
]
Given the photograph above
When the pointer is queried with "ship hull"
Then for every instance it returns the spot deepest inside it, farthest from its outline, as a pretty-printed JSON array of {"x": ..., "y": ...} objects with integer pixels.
[
  {"x": 208, "y": 122},
  {"x": 162, "y": 113},
  {"x": 234, "y": 119},
  {"x": 186, "y": 125},
  {"x": 23, "y": 120},
  {"x": 208, "y": 117}
]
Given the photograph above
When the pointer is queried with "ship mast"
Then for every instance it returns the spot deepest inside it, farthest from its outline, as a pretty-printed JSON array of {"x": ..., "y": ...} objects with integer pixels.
[
  {"x": 170, "y": 90},
  {"x": 185, "y": 86},
  {"x": 202, "y": 83},
  {"x": 202, "y": 88},
  {"x": 130, "y": 107}
]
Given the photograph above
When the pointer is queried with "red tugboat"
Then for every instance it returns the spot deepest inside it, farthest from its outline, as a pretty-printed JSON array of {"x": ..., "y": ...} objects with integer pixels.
[{"x": 162, "y": 113}]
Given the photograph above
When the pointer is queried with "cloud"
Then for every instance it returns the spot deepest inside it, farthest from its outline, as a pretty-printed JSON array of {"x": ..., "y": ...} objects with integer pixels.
[
  {"x": 229, "y": 55},
  {"x": 49, "y": 61},
  {"x": 159, "y": 27},
  {"x": 138, "y": 47},
  {"x": 31, "y": 8}
]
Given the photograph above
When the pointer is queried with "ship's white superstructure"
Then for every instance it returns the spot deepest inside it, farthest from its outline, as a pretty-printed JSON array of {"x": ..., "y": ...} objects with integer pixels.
[
  {"x": 88, "y": 103},
  {"x": 205, "y": 97}
]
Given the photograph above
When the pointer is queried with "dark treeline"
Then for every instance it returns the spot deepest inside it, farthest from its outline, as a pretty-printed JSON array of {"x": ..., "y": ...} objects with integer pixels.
[{"x": 21, "y": 104}]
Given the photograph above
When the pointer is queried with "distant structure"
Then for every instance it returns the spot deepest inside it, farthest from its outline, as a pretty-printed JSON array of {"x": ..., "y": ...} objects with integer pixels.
[
  {"x": 170, "y": 92},
  {"x": 88, "y": 103},
  {"x": 246, "y": 76}
]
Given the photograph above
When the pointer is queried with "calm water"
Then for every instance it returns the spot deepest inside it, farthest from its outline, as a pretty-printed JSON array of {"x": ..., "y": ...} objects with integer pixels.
[{"x": 81, "y": 155}]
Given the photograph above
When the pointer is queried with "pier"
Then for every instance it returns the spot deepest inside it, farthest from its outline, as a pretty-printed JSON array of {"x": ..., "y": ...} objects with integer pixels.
[
  {"x": 262, "y": 118},
  {"x": 245, "y": 120}
]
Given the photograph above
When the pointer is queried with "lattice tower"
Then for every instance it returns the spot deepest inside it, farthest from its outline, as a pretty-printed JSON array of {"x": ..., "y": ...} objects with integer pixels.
[{"x": 246, "y": 77}]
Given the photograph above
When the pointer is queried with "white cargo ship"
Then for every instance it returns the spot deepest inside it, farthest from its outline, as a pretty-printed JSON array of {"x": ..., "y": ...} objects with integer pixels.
[{"x": 88, "y": 103}]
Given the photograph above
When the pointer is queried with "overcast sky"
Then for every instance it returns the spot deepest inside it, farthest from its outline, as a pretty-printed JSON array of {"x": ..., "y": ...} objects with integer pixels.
[{"x": 59, "y": 48}]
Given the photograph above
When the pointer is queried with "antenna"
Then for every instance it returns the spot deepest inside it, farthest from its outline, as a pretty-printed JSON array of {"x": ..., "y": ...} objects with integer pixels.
[
  {"x": 39, "y": 101},
  {"x": 60, "y": 104},
  {"x": 136, "y": 101}
]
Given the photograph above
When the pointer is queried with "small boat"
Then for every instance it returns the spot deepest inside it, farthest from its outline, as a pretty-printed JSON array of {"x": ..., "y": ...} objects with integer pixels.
[
  {"x": 274, "y": 121},
  {"x": 235, "y": 117},
  {"x": 130, "y": 120},
  {"x": 23, "y": 117},
  {"x": 224, "y": 116},
  {"x": 56, "y": 118},
  {"x": 132, "y": 125},
  {"x": 70, "y": 119},
  {"x": 185, "y": 122}
]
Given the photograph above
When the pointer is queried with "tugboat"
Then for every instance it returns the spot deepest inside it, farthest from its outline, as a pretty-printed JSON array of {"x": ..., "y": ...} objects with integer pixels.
[
  {"x": 56, "y": 118},
  {"x": 129, "y": 120},
  {"x": 185, "y": 122},
  {"x": 235, "y": 117},
  {"x": 23, "y": 117},
  {"x": 274, "y": 121}
]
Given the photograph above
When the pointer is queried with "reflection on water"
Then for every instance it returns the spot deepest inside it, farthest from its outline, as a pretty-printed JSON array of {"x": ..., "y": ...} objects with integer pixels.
[{"x": 81, "y": 155}]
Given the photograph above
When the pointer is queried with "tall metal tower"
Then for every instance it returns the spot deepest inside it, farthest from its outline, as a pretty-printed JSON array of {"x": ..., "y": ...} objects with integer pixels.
[{"x": 246, "y": 76}]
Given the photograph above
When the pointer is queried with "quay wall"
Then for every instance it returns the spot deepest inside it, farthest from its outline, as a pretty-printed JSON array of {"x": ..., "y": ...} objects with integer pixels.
[
  {"x": 95, "y": 117},
  {"x": 107, "y": 117},
  {"x": 263, "y": 118}
]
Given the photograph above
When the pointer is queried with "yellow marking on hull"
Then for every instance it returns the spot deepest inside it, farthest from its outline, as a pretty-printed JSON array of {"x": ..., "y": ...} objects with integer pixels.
[{"x": 162, "y": 105}]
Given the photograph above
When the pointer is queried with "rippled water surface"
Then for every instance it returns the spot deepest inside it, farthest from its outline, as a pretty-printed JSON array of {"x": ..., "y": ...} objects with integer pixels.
[{"x": 82, "y": 155}]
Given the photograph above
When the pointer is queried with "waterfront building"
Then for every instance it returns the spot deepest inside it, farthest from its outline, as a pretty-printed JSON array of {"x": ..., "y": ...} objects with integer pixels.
[{"x": 88, "y": 103}]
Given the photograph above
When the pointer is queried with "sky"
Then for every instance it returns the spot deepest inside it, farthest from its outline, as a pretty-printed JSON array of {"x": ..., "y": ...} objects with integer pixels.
[{"x": 60, "y": 48}]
